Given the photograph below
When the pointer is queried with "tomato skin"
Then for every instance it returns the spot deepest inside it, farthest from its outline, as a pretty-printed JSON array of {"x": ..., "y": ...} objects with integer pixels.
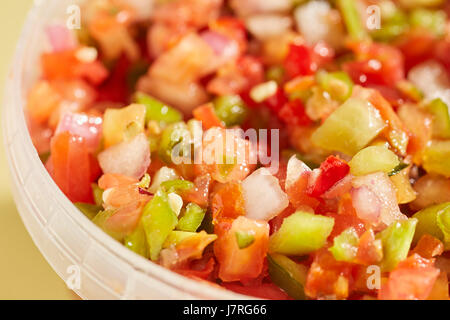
[
  {"x": 267, "y": 291},
  {"x": 207, "y": 116},
  {"x": 293, "y": 112},
  {"x": 299, "y": 61},
  {"x": 377, "y": 64},
  {"x": 64, "y": 65},
  {"x": 412, "y": 279},
  {"x": 71, "y": 167},
  {"x": 328, "y": 277},
  {"x": 241, "y": 264},
  {"x": 332, "y": 170}
]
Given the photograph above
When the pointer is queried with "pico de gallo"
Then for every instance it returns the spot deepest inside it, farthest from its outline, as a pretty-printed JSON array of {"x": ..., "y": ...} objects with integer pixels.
[{"x": 355, "y": 200}]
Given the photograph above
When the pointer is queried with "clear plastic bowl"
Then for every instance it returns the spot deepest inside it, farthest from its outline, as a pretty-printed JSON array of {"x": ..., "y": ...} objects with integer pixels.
[{"x": 66, "y": 238}]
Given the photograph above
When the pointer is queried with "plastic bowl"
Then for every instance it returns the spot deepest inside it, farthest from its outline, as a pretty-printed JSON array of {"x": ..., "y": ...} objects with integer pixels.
[{"x": 72, "y": 244}]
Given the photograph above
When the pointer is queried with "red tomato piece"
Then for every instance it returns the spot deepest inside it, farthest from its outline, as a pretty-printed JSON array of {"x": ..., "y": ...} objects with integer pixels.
[
  {"x": 299, "y": 61},
  {"x": 294, "y": 113},
  {"x": 328, "y": 277},
  {"x": 429, "y": 247},
  {"x": 330, "y": 172},
  {"x": 200, "y": 193},
  {"x": 237, "y": 264},
  {"x": 412, "y": 279},
  {"x": 207, "y": 115},
  {"x": 228, "y": 202},
  {"x": 71, "y": 167},
  {"x": 377, "y": 64},
  {"x": 267, "y": 291}
]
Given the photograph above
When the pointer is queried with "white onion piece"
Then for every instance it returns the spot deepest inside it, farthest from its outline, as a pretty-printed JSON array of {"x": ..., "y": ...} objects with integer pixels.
[
  {"x": 266, "y": 26},
  {"x": 175, "y": 202},
  {"x": 263, "y": 196},
  {"x": 315, "y": 22},
  {"x": 381, "y": 186},
  {"x": 142, "y": 8},
  {"x": 340, "y": 188},
  {"x": 162, "y": 175},
  {"x": 431, "y": 78},
  {"x": 130, "y": 158},
  {"x": 61, "y": 38},
  {"x": 225, "y": 48},
  {"x": 295, "y": 169},
  {"x": 88, "y": 127},
  {"x": 366, "y": 204}
]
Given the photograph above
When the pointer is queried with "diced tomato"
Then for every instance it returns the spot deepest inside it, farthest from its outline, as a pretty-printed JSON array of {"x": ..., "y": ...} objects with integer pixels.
[
  {"x": 71, "y": 167},
  {"x": 442, "y": 53},
  {"x": 370, "y": 250},
  {"x": 198, "y": 269},
  {"x": 429, "y": 247},
  {"x": 115, "y": 88},
  {"x": 65, "y": 65},
  {"x": 237, "y": 264},
  {"x": 233, "y": 28},
  {"x": 328, "y": 277},
  {"x": 398, "y": 134},
  {"x": 238, "y": 78},
  {"x": 207, "y": 116},
  {"x": 113, "y": 180},
  {"x": 294, "y": 113},
  {"x": 298, "y": 192},
  {"x": 343, "y": 222},
  {"x": 267, "y": 291},
  {"x": 299, "y": 61},
  {"x": 332, "y": 170},
  {"x": 277, "y": 101},
  {"x": 200, "y": 193},
  {"x": 416, "y": 47},
  {"x": 228, "y": 202},
  {"x": 376, "y": 64},
  {"x": 412, "y": 279},
  {"x": 43, "y": 100}
]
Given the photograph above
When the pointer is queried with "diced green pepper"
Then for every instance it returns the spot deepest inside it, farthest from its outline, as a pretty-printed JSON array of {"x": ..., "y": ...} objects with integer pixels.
[
  {"x": 373, "y": 159},
  {"x": 176, "y": 185},
  {"x": 352, "y": 19},
  {"x": 89, "y": 210},
  {"x": 338, "y": 84},
  {"x": 244, "y": 239},
  {"x": 429, "y": 221},
  {"x": 288, "y": 275},
  {"x": 432, "y": 20},
  {"x": 158, "y": 221},
  {"x": 137, "y": 241},
  {"x": 396, "y": 241},
  {"x": 436, "y": 158},
  {"x": 349, "y": 128},
  {"x": 98, "y": 194},
  {"x": 345, "y": 245},
  {"x": 301, "y": 233},
  {"x": 441, "y": 118},
  {"x": 443, "y": 221},
  {"x": 176, "y": 134},
  {"x": 157, "y": 110},
  {"x": 192, "y": 218},
  {"x": 100, "y": 221},
  {"x": 175, "y": 237},
  {"x": 398, "y": 169},
  {"x": 230, "y": 109}
]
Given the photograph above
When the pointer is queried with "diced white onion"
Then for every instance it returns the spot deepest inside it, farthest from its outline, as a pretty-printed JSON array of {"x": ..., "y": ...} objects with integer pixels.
[
  {"x": 162, "y": 175},
  {"x": 295, "y": 169},
  {"x": 266, "y": 26},
  {"x": 263, "y": 196}
]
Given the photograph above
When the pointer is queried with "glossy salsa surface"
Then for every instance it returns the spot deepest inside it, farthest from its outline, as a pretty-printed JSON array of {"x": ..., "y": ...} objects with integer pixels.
[{"x": 280, "y": 149}]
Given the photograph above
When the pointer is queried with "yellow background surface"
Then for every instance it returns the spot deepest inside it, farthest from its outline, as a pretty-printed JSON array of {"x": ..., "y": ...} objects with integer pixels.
[{"x": 24, "y": 273}]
